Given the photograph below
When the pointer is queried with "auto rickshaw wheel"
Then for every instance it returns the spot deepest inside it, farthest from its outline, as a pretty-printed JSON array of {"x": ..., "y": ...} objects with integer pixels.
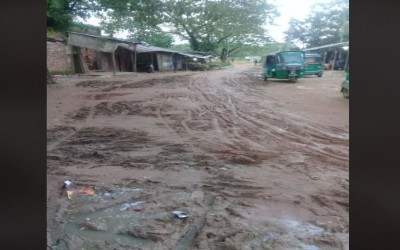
[
  {"x": 293, "y": 79},
  {"x": 319, "y": 74},
  {"x": 265, "y": 78}
]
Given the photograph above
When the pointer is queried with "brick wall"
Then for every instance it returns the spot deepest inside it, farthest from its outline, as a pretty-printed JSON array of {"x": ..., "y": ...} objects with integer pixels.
[{"x": 59, "y": 58}]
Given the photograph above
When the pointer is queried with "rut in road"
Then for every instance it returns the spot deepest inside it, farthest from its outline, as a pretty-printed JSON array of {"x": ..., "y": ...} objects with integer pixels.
[{"x": 245, "y": 119}]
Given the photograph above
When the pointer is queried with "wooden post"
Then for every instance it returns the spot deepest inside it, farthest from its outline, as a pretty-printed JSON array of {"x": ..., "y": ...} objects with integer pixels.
[
  {"x": 133, "y": 62},
  {"x": 324, "y": 61},
  {"x": 82, "y": 62},
  {"x": 334, "y": 60},
  {"x": 114, "y": 64},
  {"x": 135, "y": 66}
]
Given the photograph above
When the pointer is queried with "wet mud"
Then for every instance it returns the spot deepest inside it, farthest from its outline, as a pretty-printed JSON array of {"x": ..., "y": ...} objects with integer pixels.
[{"x": 255, "y": 165}]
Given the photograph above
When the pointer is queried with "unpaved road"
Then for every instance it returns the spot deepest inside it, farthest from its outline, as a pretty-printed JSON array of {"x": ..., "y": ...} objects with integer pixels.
[{"x": 255, "y": 165}]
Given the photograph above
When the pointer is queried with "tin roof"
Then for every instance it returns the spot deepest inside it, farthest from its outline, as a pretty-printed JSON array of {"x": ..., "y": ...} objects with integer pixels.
[
  {"x": 145, "y": 48},
  {"x": 109, "y": 44},
  {"x": 106, "y": 38}
]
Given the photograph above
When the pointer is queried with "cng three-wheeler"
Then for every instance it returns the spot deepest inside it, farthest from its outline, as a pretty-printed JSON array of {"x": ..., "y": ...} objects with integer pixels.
[
  {"x": 285, "y": 65},
  {"x": 314, "y": 64}
]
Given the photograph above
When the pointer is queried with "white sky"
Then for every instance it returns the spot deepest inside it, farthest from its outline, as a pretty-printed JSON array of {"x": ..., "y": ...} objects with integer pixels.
[{"x": 298, "y": 9}]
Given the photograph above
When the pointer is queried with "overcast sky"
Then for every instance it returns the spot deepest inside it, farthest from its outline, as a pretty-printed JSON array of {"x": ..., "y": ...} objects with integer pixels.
[{"x": 298, "y": 9}]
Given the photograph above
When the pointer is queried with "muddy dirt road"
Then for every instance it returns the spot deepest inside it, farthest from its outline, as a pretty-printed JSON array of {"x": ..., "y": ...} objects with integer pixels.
[{"x": 255, "y": 165}]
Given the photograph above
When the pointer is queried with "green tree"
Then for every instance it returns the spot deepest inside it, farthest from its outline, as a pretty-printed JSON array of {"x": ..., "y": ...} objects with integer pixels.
[
  {"x": 328, "y": 23},
  {"x": 60, "y": 15},
  {"x": 181, "y": 47},
  {"x": 206, "y": 24},
  {"x": 153, "y": 36},
  {"x": 136, "y": 16}
]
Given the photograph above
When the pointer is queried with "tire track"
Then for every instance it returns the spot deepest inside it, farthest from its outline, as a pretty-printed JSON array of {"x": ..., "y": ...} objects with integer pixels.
[{"x": 301, "y": 137}]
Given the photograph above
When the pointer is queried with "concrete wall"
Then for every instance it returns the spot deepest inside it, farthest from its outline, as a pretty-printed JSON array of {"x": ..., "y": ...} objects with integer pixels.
[{"x": 164, "y": 61}]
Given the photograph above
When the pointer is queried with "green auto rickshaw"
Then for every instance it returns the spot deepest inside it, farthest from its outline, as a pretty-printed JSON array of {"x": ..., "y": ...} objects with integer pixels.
[
  {"x": 315, "y": 65},
  {"x": 284, "y": 65},
  {"x": 345, "y": 86}
]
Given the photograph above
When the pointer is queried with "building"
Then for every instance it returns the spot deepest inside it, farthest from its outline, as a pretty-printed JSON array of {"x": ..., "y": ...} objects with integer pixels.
[{"x": 90, "y": 52}]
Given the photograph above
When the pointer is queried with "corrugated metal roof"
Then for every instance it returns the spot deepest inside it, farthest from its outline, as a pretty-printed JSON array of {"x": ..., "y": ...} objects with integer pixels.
[
  {"x": 141, "y": 48},
  {"x": 144, "y": 48},
  {"x": 328, "y": 46},
  {"x": 113, "y": 43},
  {"x": 106, "y": 38}
]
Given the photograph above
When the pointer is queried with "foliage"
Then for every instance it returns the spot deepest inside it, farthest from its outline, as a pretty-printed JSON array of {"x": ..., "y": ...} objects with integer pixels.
[
  {"x": 60, "y": 13},
  {"x": 327, "y": 24},
  {"x": 58, "y": 17},
  {"x": 256, "y": 50},
  {"x": 181, "y": 47},
  {"x": 153, "y": 37},
  {"x": 83, "y": 25},
  {"x": 206, "y": 24},
  {"x": 224, "y": 64},
  {"x": 220, "y": 27},
  {"x": 135, "y": 16}
]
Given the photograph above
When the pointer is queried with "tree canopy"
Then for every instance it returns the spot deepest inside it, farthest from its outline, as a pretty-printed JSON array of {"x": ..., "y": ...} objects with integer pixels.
[
  {"x": 216, "y": 26},
  {"x": 60, "y": 13},
  {"x": 328, "y": 23},
  {"x": 208, "y": 25}
]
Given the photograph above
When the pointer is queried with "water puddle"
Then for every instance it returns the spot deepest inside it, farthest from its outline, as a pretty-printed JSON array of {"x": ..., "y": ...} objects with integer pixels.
[
  {"x": 120, "y": 216},
  {"x": 107, "y": 224},
  {"x": 290, "y": 234},
  {"x": 75, "y": 230},
  {"x": 298, "y": 227}
]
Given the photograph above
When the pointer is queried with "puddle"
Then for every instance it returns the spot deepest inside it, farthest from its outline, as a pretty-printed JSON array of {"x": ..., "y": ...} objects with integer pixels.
[
  {"x": 298, "y": 227},
  {"x": 80, "y": 201},
  {"x": 120, "y": 216},
  {"x": 74, "y": 229},
  {"x": 290, "y": 234},
  {"x": 308, "y": 247},
  {"x": 105, "y": 224}
]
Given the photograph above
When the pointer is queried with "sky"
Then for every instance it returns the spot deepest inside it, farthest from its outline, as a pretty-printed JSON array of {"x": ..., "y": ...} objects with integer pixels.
[{"x": 298, "y": 9}]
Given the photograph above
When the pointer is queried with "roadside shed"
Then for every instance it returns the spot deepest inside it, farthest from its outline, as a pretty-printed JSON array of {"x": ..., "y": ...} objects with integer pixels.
[
  {"x": 102, "y": 53},
  {"x": 98, "y": 53},
  {"x": 332, "y": 54}
]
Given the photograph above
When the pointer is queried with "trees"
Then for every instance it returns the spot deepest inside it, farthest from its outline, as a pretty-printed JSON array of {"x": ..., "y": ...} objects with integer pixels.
[
  {"x": 327, "y": 24},
  {"x": 207, "y": 25},
  {"x": 60, "y": 13},
  {"x": 153, "y": 37},
  {"x": 214, "y": 26}
]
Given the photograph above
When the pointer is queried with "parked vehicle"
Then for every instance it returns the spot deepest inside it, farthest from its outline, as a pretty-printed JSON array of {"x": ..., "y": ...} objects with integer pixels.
[
  {"x": 315, "y": 65},
  {"x": 284, "y": 65},
  {"x": 145, "y": 67},
  {"x": 345, "y": 86}
]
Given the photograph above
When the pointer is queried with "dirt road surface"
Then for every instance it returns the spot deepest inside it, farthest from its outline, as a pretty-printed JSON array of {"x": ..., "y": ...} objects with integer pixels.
[{"x": 255, "y": 165}]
